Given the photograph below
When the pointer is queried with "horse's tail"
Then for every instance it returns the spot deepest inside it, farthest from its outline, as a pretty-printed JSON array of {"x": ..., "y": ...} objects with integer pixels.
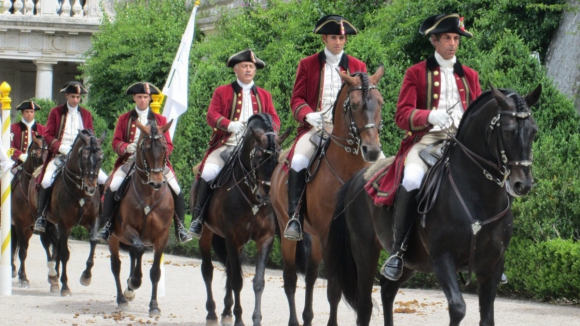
[
  {"x": 339, "y": 260},
  {"x": 303, "y": 248},
  {"x": 219, "y": 247}
]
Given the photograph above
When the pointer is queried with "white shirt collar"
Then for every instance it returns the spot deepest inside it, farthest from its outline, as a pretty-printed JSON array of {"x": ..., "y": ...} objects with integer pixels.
[
  {"x": 142, "y": 113},
  {"x": 71, "y": 109},
  {"x": 28, "y": 124},
  {"x": 445, "y": 63},
  {"x": 246, "y": 87},
  {"x": 332, "y": 59}
]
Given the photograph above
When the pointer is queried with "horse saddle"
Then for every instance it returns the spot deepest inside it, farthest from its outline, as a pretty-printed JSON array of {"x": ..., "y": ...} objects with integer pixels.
[
  {"x": 320, "y": 141},
  {"x": 432, "y": 153},
  {"x": 225, "y": 155}
]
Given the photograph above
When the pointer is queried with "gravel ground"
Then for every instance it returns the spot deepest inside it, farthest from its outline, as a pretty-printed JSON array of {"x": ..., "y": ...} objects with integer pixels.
[{"x": 184, "y": 299}]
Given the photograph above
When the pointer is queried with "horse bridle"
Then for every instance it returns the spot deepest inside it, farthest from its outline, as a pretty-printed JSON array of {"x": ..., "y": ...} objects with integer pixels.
[
  {"x": 81, "y": 176},
  {"x": 354, "y": 130},
  {"x": 146, "y": 170}
]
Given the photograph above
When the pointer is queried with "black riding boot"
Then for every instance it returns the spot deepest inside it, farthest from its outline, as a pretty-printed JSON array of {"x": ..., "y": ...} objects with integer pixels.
[
  {"x": 179, "y": 205},
  {"x": 43, "y": 199},
  {"x": 202, "y": 195},
  {"x": 405, "y": 212},
  {"x": 296, "y": 185},
  {"x": 109, "y": 208}
]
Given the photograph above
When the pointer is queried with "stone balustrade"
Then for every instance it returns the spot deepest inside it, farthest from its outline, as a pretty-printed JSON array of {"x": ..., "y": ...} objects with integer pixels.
[{"x": 50, "y": 8}]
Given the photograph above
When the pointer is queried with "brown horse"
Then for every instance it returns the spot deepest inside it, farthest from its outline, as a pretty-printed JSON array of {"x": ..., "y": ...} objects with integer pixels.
[
  {"x": 354, "y": 143},
  {"x": 22, "y": 215},
  {"x": 239, "y": 211},
  {"x": 74, "y": 201},
  {"x": 144, "y": 216}
]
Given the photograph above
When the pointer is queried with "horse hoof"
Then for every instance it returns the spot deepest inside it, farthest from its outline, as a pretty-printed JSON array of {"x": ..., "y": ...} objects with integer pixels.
[
  {"x": 129, "y": 295},
  {"x": 154, "y": 312},
  {"x": 123, "y": 306},
  {"x": 65, "y": 293},
  {"x": 54, "y": 288},
  {"x": 53, "y": 280},
  {"x": 85, "y": 281},
  {"x": 14, "y": 274},
  {"x": 24, "y": 284},
  {"x": 227, "y": 320},
  {"x": 211, "y": 322}
]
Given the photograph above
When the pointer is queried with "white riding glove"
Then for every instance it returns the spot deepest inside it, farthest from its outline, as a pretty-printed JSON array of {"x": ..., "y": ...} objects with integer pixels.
[
  {"x": 439, "y": 118},
  {"x": 314, "y": 119},
  {"x": 64, "y": 149},
  {"x": 6, "y": 165},
  {"x": 131, "y": 148},
  {"x": 23, "y": 157},
  {"x": 235, "y": 127}
]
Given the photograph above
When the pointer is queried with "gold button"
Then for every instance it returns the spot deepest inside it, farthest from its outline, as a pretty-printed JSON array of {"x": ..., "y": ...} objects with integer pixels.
[
  {"x": 235, "y": 119},
  {"x": 461, "y": 90},
  {"x": 239, "y": 102},
  {"x": 436, "y": 83},
  {"x": 255, "y": 111},
  {"x": 240, "y": 94},
  {"x": 409, "y": 133},
  {"x": 214, "y": 129},
  {"x": 435, "y": 96},
  {"x": 223, "y": 140},
  {"x": 238, "y": 110},
  {"x": 133, "y": 126},
  {"x": 254, "y": 102},
  {"x": 436, "y": 73},
  {"x": 434, "y": 108},
  {"x": 131, "y": 132}
]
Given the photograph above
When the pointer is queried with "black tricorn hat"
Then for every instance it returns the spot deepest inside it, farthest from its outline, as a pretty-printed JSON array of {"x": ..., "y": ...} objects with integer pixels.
[
  {"x": 450, "y": 23},
  {"x": 28, "y": 105},
  {"x": 142, "y": 88},
  {"x": 74, "y": 87},
  {"x": 245, "y": 56},
  {"x": 334, "y": 25}
]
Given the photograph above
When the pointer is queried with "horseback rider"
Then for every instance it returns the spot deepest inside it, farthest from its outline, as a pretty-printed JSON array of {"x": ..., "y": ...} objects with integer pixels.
[
  {"x": 62, "y": 127},
  {"x": 316, "y": 87},
  {"x": 433, "y": 97},
  {"x": 125, "y": 144},
  {"x": 21, "y": 132},
  {"x": 230, "y": 107}
]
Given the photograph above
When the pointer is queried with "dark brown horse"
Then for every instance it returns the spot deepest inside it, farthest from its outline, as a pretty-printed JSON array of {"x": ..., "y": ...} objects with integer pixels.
[
  {"x": 74, "y": 201},
  {"x": 22, "y": 214},
  {"x": 144, "y": 216},
  {"x": 467, "y": 224},
  {"x": 354, "y": 143},
  {"x": 239, "y": 211}
]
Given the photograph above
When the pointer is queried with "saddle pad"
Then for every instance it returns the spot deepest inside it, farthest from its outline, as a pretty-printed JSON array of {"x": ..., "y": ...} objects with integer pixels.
[{"x": 432, "y": 153}]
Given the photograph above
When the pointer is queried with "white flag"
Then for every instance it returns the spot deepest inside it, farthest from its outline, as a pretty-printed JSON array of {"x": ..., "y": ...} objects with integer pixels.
[{"x": 175, "y": 88}]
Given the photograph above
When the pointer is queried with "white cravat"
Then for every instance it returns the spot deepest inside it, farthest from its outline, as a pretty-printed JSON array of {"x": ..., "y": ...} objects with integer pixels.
[
  {"x": 29, "y": 132},
  {"x": 331, "y": 83},
  {"x": 73, "y": 124},
  {"x": 449, "y": 99},
  {"x": 142, "y": 116}
]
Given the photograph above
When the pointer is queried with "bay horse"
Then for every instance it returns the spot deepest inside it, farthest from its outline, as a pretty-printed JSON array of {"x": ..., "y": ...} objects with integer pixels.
[
  {"x": 144, "y": 215},
  {"x": 354, "y": 143},
  {"x": 239, "y": 211},
  {"x": 74, "y": 202},
  {"x": 22, "y": 214},
  {"x": 464, "y": 227}
]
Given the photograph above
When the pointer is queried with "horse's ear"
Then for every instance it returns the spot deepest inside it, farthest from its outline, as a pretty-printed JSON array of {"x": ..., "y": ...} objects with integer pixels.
[
  {"x": 166, "y": 127},
  {"x": 281, "y": 138},
  {"x": 84, "y": 136},
  {"x": 101, "y": 139},
  {"x": 377, "y": 75},
  {"x": 534, "y": 96},
  {"x": 499, "y": 97},
  {"x": 145, "y": 129},
  {"x": 349, "y": 80}
]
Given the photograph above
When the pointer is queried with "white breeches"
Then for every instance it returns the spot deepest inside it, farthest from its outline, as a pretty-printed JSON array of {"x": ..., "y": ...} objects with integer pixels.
[
  {"x": 415, "y": 167},
  {"x": 213, "y": 164},
  {"x": 120, "y": 175},
  {"x": 48, "y": 178}
]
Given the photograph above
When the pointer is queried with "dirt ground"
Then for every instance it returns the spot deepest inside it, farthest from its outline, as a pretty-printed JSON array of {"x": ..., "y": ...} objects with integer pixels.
[{"x": 184, "y": 299}]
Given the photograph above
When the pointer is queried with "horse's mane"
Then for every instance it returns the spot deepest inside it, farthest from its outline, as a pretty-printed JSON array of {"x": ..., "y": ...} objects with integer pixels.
[
  {"x": 265, "y": 118},
  {"x": 365, "y": 84}
]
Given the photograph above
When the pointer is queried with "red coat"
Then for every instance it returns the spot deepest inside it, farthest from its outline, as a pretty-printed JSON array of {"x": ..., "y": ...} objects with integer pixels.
[
  {"x": 307, "y": 92},
  {"x": 419, "y": 95},
  {"x": 55, "y": 130},
  {"x": 226, "y": 106},
  {"x": 19, "y": 141},
  {"x": 125, "y": 134}
]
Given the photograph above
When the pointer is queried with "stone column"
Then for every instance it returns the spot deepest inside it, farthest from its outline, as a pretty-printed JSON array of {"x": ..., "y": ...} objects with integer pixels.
[{"x": 44, "y": 78}]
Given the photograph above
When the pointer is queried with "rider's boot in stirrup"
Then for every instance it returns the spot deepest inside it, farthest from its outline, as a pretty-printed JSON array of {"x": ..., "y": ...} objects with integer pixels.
[
  {"x": 180, "y": 232},
  {"x": 405, "y": 212},
  {"x": 202, "y": 195},
  {"x": 109, "y": 208},
  {"x": 43, "y": 199},
  {"x": 296, "y": 185}
]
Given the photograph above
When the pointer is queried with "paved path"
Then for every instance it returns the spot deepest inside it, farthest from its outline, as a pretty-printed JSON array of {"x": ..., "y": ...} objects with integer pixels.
[{"x": 184, "y": 300}]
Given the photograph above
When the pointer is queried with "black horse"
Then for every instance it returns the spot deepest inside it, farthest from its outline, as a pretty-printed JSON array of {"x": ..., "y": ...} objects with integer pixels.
[
  {"x": 239, "y": 211},
  {"x": 467, "y": 224}
]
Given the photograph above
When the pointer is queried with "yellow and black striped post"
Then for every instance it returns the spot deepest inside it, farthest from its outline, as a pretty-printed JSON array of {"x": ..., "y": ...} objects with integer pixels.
[{"x": 5, "y": 259}]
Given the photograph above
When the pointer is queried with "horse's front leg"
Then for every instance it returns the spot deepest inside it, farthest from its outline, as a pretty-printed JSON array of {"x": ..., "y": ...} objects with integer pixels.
[
  {"x": 290, "y": 276},
  {"x": 207, "y": 272},
  {"x": 488, "y": 283},
  {"x": 63, "y": 257},
  {"x": 136, "y": 276},
  {"x": 389, "y": 290},
  {"x": 310, "y": 278},
  {"x": 444, "y": 269},
  {"x": 122, "y": 303},
  {"x": 86, "y": 275},
  {"x": 155, "y": 275},
  {"x": 234, "y": 274},
  {"x": 264, "y": 247},
  {"x": 14, "y": 244},
  {"x": 48, "y": 238}
]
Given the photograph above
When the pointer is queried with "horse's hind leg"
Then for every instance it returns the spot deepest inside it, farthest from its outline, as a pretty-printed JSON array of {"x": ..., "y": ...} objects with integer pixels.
[
  {"x": 488, "y": 284},
  {"x": 234, "y": 272},
  {"x": 155, "y": 275},
  {"x": 290, "y": 277},
  {"x": 264, "y": 248},
  {"x": 48, "y": 238},
  {"x": 444, "y": 269},
  {"x": 14, "y": 246},
  {"x": 23, "y": 242},
  {"x": 122, "y": 303},
  {"x": 63, "y": 257},
  {"x": 207, "y": 273},
  {"x": 389, "y": 291},
  {"x": 86, "y": 275},
  {"x": 310, "y": 279}
]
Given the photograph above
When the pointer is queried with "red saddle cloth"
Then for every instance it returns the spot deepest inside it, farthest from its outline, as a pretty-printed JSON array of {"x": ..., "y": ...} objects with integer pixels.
[{"x": 382, "y": 185}]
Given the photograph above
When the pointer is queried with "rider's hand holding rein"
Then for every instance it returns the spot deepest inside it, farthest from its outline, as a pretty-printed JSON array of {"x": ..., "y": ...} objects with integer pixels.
[
  {"x": 439, "y": 118},
  {"x": 314, "y": 119},
  {"x": 64, "y": 149},
  {"x": 131, "y": 148},
  {"x": 236, "y": 127}
]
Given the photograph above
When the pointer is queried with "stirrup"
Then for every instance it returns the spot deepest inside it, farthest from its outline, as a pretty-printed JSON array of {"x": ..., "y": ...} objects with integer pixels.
[
  {"x": 40, "y": 225},
  {"x": 104, "y": 234},
  {"x": 196, "y": 228},
  {"x": 294, "y": 236},
  {"x": 393, "y": 267},
  {"x": 182, "y": 235}
]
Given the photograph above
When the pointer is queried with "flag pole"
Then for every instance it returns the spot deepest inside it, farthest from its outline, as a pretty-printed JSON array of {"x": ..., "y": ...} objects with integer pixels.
[
  {"x": 5, "y": 255},
  {"x": 176, "y": 86}
]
